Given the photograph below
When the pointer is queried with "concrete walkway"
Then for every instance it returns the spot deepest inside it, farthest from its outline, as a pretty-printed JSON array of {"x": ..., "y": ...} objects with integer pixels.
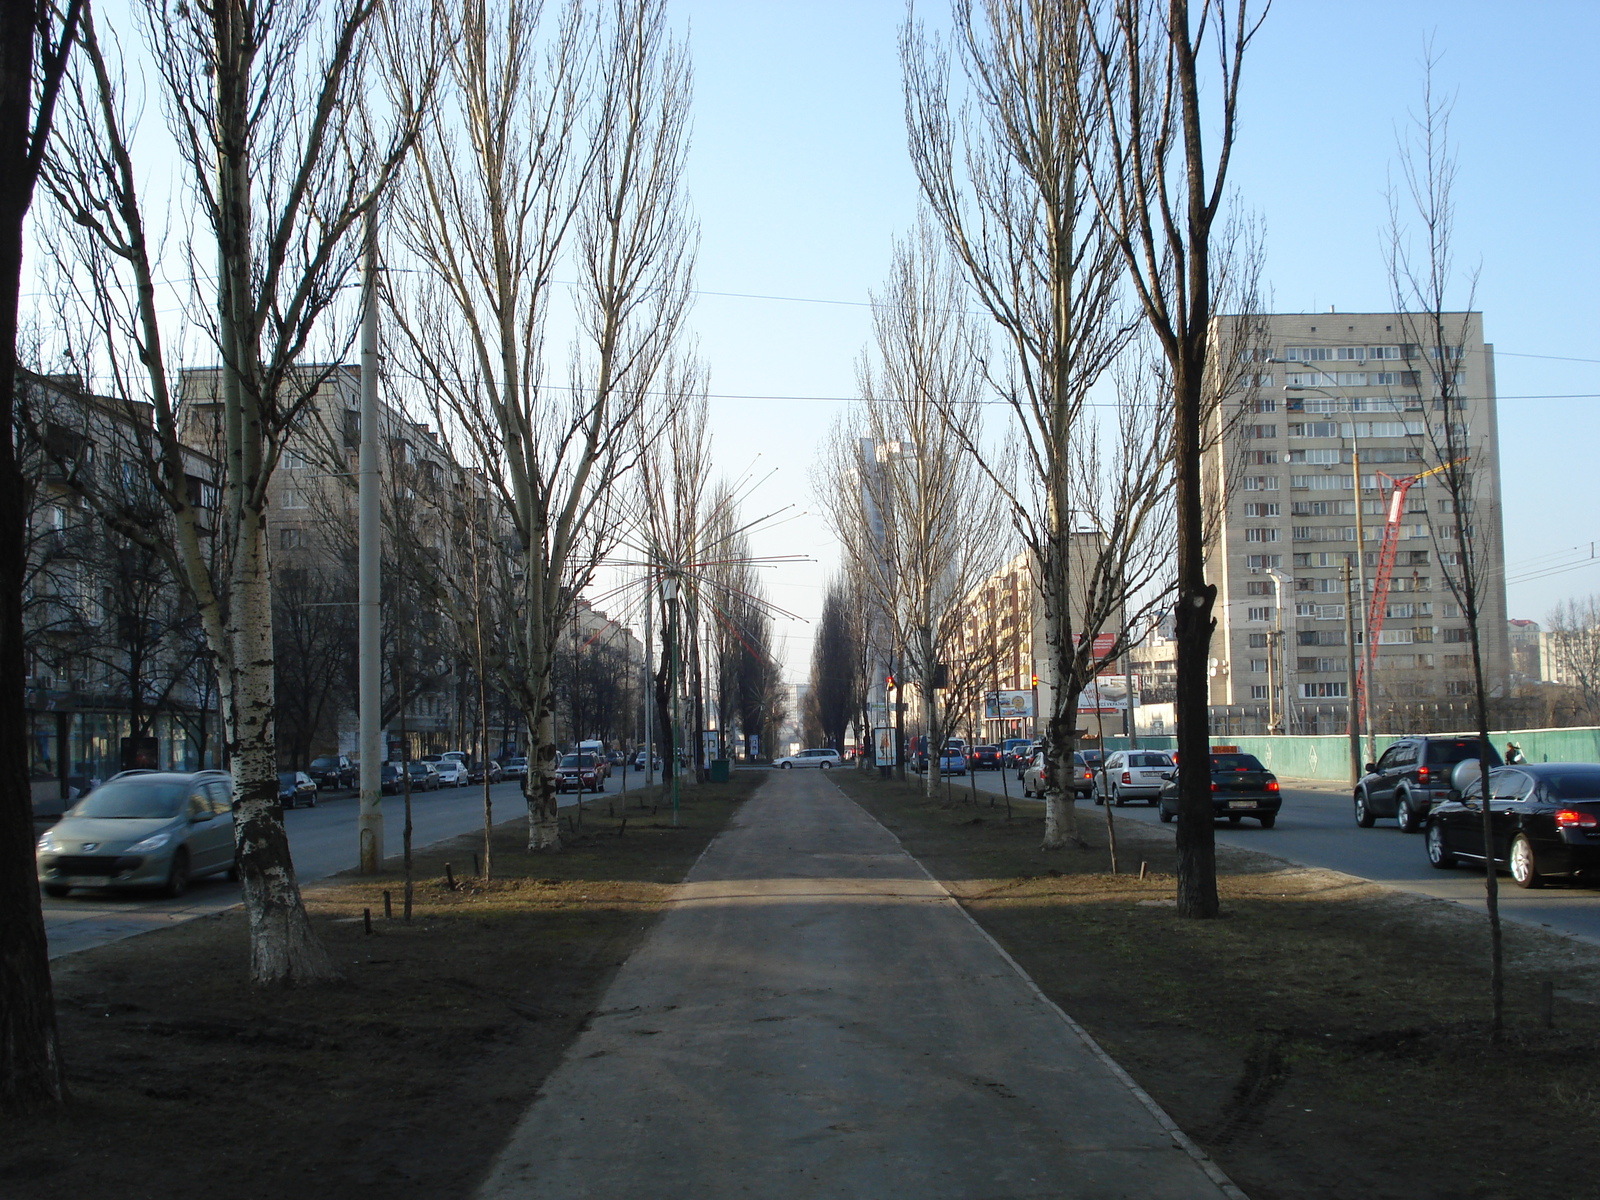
[{"x": 815, "y": 1017}]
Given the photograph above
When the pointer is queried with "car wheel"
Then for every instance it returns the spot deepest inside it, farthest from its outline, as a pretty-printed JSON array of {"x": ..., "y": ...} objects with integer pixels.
[
  {"x": 787, "y": 766},
  {"x": 1166, "y": 817},
  {"x": 827, "y": 766},
  {"x": 1268, "y": 822},
  {"x": 57, "y": 890},
  {"x": 178, "y": 877},
  {"x": 1437, "y": 854},
  {"x": 1116, "y": 796},
  {"x": 1524, "y": 870},
  {"x": 1404, "y": 815},
  {"x": 1364, "y": 817},
  {"x": 312, "y": 803}
]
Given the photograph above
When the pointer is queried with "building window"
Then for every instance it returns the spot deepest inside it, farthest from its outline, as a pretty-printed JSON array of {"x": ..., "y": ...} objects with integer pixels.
[
  {"x": 1258, "y": 614},
  {"x": 1261, "y": 562},
  {"x": 1260, "y": 483},
  {"x": 1260, "y": 510},
  {"x": 1455, "y": 635},
  {"x": 1257, "y": 641},
  {"x": 1383, "y": 352},
  {"x": 1323, "y": 458},
  {"x": 1351, "y": 353},
  {"x": 1260, "y": 535},
  {"x": 1257, "y": 587},
  {"x": 1458, "y": 687},
  {"x": 1258, "y": 666},
  {"x": 1265, "y": 404},
  {"x": 1321, "y": 483},
  {"x": 1258, "y": 691},
  {"x": 1260, "y": 431},
  {"x": 1261, "y": 458},
  {"x": 1332, "y": 689},
  {"x": 1309, "y": 353},
  {"x": 293, "y": 498},
  {"x": 291, "y": 539}
]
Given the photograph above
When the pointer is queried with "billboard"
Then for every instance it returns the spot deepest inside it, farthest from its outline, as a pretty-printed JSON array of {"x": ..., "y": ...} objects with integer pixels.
[
  {"x": 883, "y": 744},
  {"x": 1105, "y": 695},
  {"x": 1014, "y": 705}
]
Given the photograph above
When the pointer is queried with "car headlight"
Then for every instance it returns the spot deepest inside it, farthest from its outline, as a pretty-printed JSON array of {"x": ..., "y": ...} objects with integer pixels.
[
  {"x": 154, "y": 842},
  {"x": 47, "y": 844}
]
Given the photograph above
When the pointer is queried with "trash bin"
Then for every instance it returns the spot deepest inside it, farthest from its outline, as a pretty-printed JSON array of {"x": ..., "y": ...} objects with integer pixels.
[{"x": 719, "y": 770}]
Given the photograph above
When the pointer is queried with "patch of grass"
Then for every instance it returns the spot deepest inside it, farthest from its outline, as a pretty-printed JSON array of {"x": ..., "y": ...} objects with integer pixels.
[
  {"x": 1325, "y": 1038},
  {"x": 406, "y": 1079}
]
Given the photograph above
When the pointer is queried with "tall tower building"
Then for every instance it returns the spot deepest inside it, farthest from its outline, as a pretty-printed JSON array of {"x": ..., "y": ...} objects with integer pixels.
[{"x": 1324, "y": 391}]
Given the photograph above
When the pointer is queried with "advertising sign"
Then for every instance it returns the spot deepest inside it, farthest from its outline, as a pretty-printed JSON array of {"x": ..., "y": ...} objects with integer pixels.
[
  {"x": 753, "y": 743},
  {"x": 883, "y": 744},
  {"x": 1107, "y": 694},
  {"x": 1011, "y": 705}
]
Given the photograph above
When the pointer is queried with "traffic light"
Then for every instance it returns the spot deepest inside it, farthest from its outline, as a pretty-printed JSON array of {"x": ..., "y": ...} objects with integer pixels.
[
  {"x": 888, "y": 680},
  {"x": 941, "y": 675},
  {"x": 1035, "y": 681}
]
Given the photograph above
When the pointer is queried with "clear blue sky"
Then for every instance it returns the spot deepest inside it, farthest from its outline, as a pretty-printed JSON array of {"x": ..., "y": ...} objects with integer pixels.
[{"x": 800, "y": 182}]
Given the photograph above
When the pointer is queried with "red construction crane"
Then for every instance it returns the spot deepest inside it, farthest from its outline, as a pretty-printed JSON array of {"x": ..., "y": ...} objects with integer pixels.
[{"x": 1378, "y": 606}]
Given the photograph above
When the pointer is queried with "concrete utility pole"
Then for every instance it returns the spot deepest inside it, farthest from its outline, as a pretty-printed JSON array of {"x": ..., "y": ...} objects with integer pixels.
[
  {"x": 369, "y": 541},
  {"x": 649, "y": 681},
  {"x": 1353, "y": 722}
]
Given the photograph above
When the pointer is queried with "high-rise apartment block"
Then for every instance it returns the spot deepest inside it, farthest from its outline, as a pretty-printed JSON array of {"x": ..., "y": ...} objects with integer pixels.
[{"x": 1325, "y": 392}]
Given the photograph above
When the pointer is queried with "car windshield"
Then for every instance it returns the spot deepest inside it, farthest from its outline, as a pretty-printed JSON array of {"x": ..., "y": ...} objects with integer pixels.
[
  {"x": 1573, "y": 783},
  {"x": 1148, "y": 760},
  {"x": 1236, "y": 762},
  {"x": 324, "y": 762},
  {"x": 419, "y": 768},
  {"x": 136, "y": 799},
  {"x": 574, "y": 760},
  {"x": 391, "y": 768},
  {"x": 286, "y": 779},
  {"x": 1457, "y": 750},
  {"x": 517, "y": 762}
]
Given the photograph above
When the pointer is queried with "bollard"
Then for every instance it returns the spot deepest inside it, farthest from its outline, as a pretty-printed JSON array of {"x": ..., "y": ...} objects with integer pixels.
[
  {"x": 476, "y": 869},
  {"x": 1144, "y": 869},
  {"x": 388, "y": 907},
  {"x": 449, "y": 877},
  {"x": 366, "y": 918}
]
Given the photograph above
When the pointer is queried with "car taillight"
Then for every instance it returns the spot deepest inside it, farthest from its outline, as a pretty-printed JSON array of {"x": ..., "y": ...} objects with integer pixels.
[
  {"x": 1422, "y": 774},
  {"x": 1272, "y": 785},
  {"x": 1571, "y": 818},
  {"x": 1126, "y": 777},
  {"x": 1213, "y": 785}
]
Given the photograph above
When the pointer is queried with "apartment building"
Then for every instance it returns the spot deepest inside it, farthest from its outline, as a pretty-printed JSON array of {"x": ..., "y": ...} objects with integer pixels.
[{"x": 1335, "y": 408}]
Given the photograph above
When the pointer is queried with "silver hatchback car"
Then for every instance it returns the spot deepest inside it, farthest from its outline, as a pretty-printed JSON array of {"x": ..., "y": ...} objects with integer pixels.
[
  {"x": 149, "y": 829},
  {"x": 1132, "y": 775}
]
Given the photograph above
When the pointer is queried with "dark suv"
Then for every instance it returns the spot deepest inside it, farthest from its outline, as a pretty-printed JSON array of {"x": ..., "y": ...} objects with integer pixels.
[
  {"x": 1413, "y": 775},
  {"x": 333, "y": 771}
]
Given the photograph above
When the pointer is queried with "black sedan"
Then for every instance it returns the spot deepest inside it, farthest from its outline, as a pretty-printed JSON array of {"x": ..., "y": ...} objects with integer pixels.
[
  {"x": 296, "y": 788},
  {"x": 986, "y": 758},
  {"x": 1240, "y": 787},
  {"x": 1544, "y": 819}
]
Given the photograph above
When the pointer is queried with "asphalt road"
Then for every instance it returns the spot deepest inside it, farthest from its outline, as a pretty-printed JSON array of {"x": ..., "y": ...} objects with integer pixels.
[
  {"x": 1316, "y": 828},
  {"x": 815, "y": 1017},
  {"x": 322, "y": 841}
]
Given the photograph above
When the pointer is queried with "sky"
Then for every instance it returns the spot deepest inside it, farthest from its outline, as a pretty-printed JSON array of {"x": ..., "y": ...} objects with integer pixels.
[{"x": 801, "y": 183}]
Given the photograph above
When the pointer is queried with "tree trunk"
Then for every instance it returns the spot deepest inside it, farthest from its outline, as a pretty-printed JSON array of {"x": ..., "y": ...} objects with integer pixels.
[
  {"x": 284, "y": 951},
  {"x": 1061, "y": 731},
  {"x": 539, "y": 785}
]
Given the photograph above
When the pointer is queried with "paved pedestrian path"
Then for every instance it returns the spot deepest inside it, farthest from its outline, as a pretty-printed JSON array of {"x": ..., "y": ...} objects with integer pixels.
[{"x": 815, "y": 1017}]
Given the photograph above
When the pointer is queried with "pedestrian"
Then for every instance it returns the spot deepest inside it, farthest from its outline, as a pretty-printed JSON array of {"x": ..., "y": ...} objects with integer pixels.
[{"x": 1514, "y": 754}]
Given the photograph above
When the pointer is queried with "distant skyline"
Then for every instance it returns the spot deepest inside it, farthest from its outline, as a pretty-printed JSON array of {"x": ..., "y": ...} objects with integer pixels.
[{"x": 800, "y": 181}]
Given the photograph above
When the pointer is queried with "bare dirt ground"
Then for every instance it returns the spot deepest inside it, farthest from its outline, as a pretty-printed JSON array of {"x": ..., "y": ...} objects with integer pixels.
[
  {"x": 402, "y": 1082},
  {"x": 1327, "y": 1038}
]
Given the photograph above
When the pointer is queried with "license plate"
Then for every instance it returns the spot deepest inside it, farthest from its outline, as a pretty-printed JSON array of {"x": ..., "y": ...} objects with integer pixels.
[
  {"x": 1241, "y": 803},
  {"x": 87, "y": 881}
]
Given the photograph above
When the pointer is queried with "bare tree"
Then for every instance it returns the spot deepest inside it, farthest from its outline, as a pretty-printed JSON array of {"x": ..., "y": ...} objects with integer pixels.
[
  {"x": 1159, "y": 192},
  {"x": 835, "y": 686},
  {"x": 263, "y": 104},
  {"x": 579, "y": 154},
  {"x": 1009, "y": 184},
  {"x": 918, "y": 515},
  {"x": 1574, "y": 633},
  {"x": 35, "y": 41},
  {"x": 1423, "y": 279}
]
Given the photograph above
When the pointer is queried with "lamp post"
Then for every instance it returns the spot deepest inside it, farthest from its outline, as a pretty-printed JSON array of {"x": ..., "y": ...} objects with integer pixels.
[
  {"x": 669, "y": 591},
  {"x": 1364, "y": 715},
  {"x": 1286, "y": 702}
]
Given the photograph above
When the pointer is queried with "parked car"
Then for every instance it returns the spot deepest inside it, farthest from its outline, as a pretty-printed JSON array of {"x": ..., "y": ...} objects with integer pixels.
[
  {"x": 452, "y": 768},
  {"x": 952, "y": 761},
  {"x": 334, "y": 771},
  {"x": 1131, "y": 775},
  {"x": 579, "y": 773},
  {"x": 516, "y": 768},
  {"x": 389, "y": 779},
  {"x": 424, "y": 776},
  {"x": 1240, "y": 787},
  {"x": 475, "y": 772},
  {"x": 986, "y": 758},
  {"x": 158, "y": 829},
  {"x": 296, "y": 788},
  {"x": 809, "y": 758},
  {"x": 1413, "y": 775},
  {"x": 1544, "y": 820},
  {"x": 1035, "y": 784},
  {"x": 644, "y": 760}
]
